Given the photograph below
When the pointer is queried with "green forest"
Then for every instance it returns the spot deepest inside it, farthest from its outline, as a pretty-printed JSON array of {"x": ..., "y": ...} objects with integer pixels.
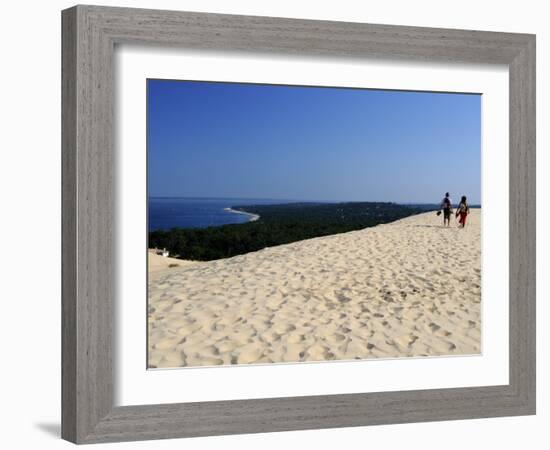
[{"x": 277, "y": 225}]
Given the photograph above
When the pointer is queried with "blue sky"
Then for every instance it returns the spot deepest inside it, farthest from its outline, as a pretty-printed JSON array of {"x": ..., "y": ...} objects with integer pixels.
[{"x": 308, "y": 143}]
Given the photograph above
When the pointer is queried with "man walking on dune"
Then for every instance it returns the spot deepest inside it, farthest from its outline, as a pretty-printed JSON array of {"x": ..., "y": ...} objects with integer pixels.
[{"x": 447, "y": 207}]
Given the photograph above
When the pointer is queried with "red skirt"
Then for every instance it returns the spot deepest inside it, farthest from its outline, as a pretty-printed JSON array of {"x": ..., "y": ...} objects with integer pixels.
[{"x": 462, "y": 219}]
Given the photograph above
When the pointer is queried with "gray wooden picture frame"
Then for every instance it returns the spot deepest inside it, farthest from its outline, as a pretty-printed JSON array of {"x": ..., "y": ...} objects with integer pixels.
[{"x": 89, "y": 37}]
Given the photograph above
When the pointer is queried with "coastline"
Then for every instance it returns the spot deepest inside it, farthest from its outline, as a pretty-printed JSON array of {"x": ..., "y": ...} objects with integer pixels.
[
  {"x": 252, "y": 217},
  {"x": 283, "y": 224}
]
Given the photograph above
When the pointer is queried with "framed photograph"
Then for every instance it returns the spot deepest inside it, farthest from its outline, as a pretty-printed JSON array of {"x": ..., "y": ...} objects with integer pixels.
[{"x": 279, "y": 224}]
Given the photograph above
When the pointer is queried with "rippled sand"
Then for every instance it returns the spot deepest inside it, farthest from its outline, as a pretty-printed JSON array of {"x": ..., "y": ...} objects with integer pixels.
[{"x": 409, "y": 288}]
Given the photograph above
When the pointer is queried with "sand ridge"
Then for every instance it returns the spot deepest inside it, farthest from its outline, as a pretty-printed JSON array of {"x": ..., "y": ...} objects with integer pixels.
[{"x": 409, "y": 288}]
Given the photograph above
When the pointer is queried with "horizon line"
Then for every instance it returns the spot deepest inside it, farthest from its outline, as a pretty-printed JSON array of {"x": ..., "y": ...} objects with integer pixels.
[{"x": 297, "y": 200}]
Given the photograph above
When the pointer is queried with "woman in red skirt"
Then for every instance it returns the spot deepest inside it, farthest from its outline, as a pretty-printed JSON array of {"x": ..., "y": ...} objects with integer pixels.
[{"x": 462, "y": 211}]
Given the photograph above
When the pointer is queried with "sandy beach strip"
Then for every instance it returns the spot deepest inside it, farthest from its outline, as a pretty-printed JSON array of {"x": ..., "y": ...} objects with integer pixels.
[
  {"x": 404, "y": 289},
  {"x": 252, "y": 217}
]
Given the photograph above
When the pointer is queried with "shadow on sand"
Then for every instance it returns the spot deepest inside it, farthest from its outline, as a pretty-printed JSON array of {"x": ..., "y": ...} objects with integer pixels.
[{"x": 428, "y": 226}]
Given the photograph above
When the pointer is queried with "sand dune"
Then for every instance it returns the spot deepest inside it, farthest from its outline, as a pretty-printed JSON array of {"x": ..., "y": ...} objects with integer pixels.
[
  {"x": 159, "y": 265},
  {"x": 409, "y": 288}
]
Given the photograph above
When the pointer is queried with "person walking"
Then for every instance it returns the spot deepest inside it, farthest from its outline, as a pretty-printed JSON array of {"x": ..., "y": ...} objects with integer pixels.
[
  {"x": 447, "y": 207},
  {"x": 462, "y": 211}
]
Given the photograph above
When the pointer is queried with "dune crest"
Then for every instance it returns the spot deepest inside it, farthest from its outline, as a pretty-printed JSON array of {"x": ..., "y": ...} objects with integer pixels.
[{"x": 408, "y": 288}]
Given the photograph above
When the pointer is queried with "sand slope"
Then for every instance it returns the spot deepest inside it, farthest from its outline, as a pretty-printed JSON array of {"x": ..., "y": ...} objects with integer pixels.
[
  {"x": 409, "y": 288},
  {"x": 158, "y": 265}
]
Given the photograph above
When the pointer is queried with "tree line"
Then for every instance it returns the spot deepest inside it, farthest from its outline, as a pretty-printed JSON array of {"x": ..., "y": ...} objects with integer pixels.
[{"x": 277, "y": 225}]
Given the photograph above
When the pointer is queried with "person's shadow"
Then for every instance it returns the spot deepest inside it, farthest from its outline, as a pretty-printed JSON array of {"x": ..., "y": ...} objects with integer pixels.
[
  {"x": 53, "y": 429},
  {"x": 428, "y": 226}
]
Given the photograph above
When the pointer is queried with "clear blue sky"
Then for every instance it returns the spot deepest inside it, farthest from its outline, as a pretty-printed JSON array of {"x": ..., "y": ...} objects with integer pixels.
[{"x": 308, "y": 143}]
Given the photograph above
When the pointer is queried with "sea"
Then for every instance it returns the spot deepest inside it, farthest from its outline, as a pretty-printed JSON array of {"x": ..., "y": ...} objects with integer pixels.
[{"x": 182, "y": 212}]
